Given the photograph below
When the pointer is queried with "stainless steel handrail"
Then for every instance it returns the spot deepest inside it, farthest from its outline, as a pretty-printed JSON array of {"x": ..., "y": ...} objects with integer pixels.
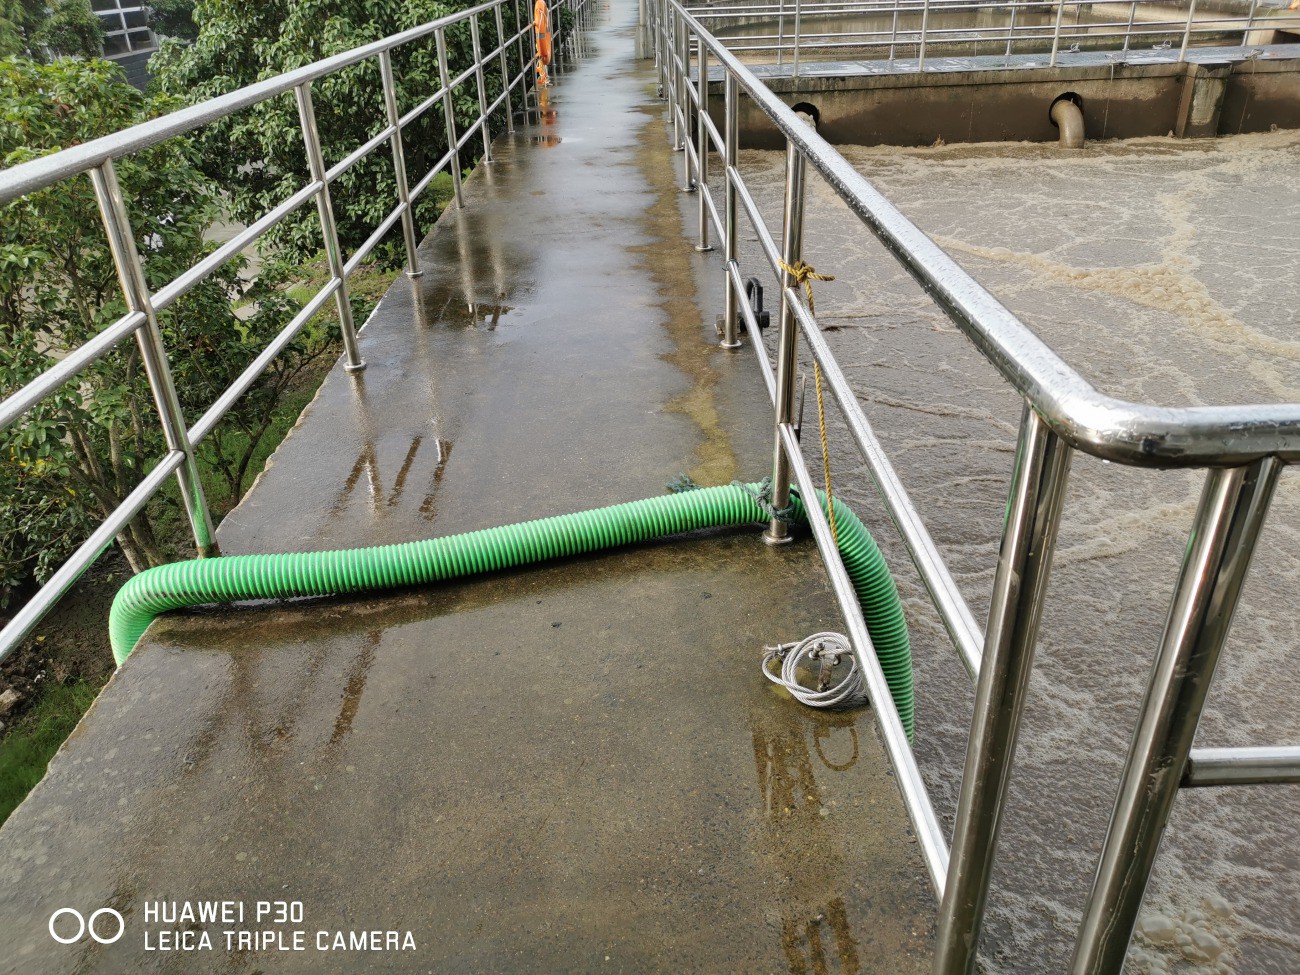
[
  {"x": 1244, "y": 447},
  {"x": 512, "y": 60},
  {"x": 1012, "y": 37}
]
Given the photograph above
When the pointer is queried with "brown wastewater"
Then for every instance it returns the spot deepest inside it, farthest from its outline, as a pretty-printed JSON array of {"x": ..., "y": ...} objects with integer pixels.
[{"x": 1165, "y": 272}]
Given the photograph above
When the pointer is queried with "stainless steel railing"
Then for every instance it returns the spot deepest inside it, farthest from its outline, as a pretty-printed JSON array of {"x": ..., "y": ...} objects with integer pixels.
[
  {"x": 1242, "y": 448},
  {"x": 1005, "y": 27},
  {"x": 511, "y": 60}
]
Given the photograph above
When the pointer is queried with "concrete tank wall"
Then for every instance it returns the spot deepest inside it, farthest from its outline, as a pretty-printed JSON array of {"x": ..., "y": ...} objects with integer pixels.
[{"x": 1119, "y": 101}]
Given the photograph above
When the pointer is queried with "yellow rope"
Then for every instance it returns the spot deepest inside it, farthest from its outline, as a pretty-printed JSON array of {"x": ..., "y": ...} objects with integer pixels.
[{"x": 806, "y": 274}]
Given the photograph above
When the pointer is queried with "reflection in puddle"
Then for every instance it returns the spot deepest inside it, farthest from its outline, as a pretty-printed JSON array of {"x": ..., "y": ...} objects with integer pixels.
[
  {"x": 815, "y": 933},
  {"x": 805, "y": 947},
  {"x": 449, "y": 306},
  {"x": 354, "y": 687},
  {"x": 367, "y": 466}
]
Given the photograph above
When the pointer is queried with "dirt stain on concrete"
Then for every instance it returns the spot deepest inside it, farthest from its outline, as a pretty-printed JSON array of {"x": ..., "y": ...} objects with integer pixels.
[{"x": 667, "y": 258}]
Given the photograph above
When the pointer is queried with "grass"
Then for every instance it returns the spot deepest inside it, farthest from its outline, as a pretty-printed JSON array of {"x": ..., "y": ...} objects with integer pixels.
[{"x": 28, "y": 746}]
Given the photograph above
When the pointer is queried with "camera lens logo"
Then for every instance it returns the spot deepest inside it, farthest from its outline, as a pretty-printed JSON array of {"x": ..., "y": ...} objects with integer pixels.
[{"x": 96, "y": 928}]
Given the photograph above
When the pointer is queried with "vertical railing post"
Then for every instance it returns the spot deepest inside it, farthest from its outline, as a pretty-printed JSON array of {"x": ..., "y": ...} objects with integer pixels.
[
  {"x": 794, "y": 60},
  {"x": 925, "y": 29},
  {"x": 399, "y": 165},
  {"x": 135, "y": 289},
  {"x": 674, "y": 78},
  {"x": 656, "y": 41},
  {"x": 1232, "y": 509},
  {"x": 660, "y": 22},
  {"x": 557, "y": 28},
  {"x": 780, "y": 32},
  {"x": 1011, "y": 31},
  {"x": 449, "y": 114},
  {"x": 504, "y": 61},
  {"x": 893, "y": 36},
  {"x": 1056, "y": 35},
  {"x": 477, "y": 44},
  {"x": 684, "y": 99},
  {"x": 787, "y": 356},
  {"x": 1187, "y": 31},
  {"x": 731, "y": 143},
  {"x": 1250, "y": 22},
  {"x": 1132, "y": 15},
  {"x": 329, "y": 232},
  {"x": 1024, "y": 562},
  {"x": 702, "y": 146},
  {"x": 525, "y": 61}
]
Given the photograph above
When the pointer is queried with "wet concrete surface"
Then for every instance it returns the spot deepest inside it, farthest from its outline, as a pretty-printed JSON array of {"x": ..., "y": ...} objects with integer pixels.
[{"x": 572, "y": 768}]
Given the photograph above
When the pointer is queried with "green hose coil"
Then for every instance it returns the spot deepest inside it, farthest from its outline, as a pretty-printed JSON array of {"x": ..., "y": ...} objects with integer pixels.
[{"x": 219, "y": 580}]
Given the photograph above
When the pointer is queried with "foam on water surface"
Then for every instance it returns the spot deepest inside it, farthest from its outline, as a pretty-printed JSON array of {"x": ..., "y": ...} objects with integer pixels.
[{"x": 1164, "y": 271}]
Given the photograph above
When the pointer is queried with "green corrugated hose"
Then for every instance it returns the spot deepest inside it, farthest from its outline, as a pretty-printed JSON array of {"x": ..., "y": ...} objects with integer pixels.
[{"x": 219, "y": 580}]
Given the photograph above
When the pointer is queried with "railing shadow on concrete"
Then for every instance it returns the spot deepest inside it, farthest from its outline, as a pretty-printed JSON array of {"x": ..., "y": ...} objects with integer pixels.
[
  {"x": 1005, "y": 27},
  {"x": 511, "y": 61},
  {"x": 1242, "y": 448}
]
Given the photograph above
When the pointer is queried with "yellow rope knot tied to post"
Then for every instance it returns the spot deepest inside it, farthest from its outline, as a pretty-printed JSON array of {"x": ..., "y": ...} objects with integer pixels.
[{"x": 806, "y": 274}]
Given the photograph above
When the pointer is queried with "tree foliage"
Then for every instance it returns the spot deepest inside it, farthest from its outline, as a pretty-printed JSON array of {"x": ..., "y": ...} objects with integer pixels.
[
  {"x": 173, "y": 18},
  {"x": 76, "y": 456},
  {"x": 240, "y": 42},
  {"x": 59, "y": 28}
]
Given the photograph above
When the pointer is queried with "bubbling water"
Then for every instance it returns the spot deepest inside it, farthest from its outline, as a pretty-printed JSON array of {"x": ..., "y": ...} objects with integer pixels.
[{"x": 1164, "y": 271}]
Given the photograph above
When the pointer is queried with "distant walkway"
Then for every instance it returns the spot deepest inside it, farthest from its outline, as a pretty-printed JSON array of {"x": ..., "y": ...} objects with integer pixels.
[{"x": 576, "y": 768}]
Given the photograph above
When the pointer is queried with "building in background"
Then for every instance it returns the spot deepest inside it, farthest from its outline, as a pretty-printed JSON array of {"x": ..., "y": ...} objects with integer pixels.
[{"x": 129, "y": 41}]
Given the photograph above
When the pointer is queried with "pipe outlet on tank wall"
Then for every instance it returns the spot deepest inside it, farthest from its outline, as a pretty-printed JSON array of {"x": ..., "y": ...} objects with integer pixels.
[{"x": 1067, "y": 115}]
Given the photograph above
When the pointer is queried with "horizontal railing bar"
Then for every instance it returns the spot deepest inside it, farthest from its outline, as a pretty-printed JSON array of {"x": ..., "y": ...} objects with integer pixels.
[
  {"x": 359, "y": 153},
  {"x": 209, "y": 420},
  {"x": 420, "y": 109},
  {"x": 461, "y": 78},
  {"x": 27, "y": 618},
  {"x": 373, "y": 240},
  {"x": 497, "y": 104},
  {"x": 765, "y": 241},
  {"x": 1207, "y": 25},
  {"x": 438, "y": 167},
  {"x": 1129, "y": 433},
  {"x": 929, "y": 835},
  {"x": 918, "y": 6},
  {"x": 910, "y": 37},
  {"x": 38, "y": 173},
  {"x": 517, "y": 79},
  {"x": 468, "y": 134},
  {"x": 19, "y": 402},
  {"x": 715, "y": 137},
  {"x": 1264, "y": 765},
  {"x": 712, "y": 209},
  {"x": 230, "y": 248},
  {"x": 433, "y": 99},
  {"x": 967, "y": 635}
]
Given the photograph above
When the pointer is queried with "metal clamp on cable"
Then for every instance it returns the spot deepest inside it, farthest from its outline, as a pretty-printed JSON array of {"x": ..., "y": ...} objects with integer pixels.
[{"x": 827, "y": 649}]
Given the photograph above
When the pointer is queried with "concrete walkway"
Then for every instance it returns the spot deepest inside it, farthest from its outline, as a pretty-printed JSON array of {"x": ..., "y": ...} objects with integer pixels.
[{"x": 576, "y": 768}]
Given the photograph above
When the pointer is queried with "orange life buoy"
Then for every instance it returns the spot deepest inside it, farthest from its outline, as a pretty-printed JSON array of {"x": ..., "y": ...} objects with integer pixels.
[{"x": 542, "y": 28}]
